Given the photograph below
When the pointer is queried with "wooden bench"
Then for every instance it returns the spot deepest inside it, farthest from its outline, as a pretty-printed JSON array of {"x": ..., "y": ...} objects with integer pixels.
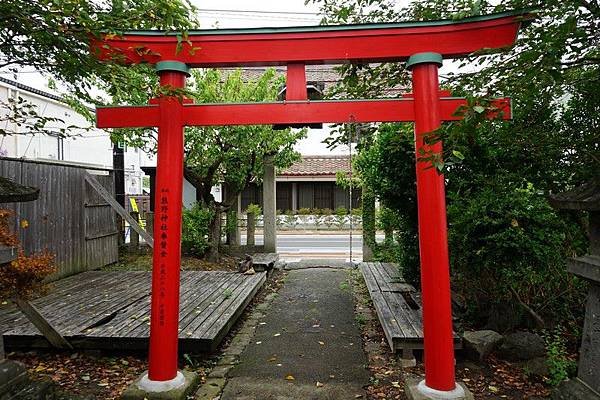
[{"x": 398, "y": 307}]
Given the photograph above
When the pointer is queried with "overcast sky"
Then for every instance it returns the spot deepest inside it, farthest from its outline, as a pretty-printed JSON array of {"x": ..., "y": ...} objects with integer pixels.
[{"x": 245, "y": 14}]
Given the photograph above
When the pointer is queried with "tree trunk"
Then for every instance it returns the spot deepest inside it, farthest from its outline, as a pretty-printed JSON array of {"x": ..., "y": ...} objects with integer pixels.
[
  {"x": 368, "y": 217},
  {"x": 215, "y": 236},
  {"x": 251, "y": 229},
  {"x": 389, "y": 235}
]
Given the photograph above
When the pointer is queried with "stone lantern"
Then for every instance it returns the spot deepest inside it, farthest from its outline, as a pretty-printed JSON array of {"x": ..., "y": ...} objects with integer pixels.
[{"x": 587, "y": 383}]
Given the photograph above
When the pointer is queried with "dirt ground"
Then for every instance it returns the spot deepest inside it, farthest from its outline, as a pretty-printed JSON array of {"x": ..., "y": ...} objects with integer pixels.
[{"x": 143, "y": 262}]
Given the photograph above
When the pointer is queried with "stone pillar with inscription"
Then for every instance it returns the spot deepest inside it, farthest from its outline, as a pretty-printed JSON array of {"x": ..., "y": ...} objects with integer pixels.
[
  {"x": 587, "y": 383},
  {"x": 269, "y": 206}
]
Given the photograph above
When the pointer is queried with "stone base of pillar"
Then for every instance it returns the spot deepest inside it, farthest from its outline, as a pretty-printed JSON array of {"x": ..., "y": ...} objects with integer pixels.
[
  {"x": 574, "y": 389},
  {"x": 415, "y": 389},
  {"x": 179, "y": 388}
]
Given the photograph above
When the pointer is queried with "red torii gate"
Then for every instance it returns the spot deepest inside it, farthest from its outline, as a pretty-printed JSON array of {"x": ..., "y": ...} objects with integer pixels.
[{"x": 422, "y": 44}]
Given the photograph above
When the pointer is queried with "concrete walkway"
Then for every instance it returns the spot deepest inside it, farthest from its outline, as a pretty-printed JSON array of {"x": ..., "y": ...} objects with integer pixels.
[{"x": 308, "y": 346}]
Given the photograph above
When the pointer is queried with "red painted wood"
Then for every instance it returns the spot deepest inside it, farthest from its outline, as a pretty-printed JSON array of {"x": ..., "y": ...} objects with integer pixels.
[
  {"x": 166, "y": 260},
  {"x": 400, "y": 110},
  {"x": 433, "y": 236},
  {"x": 310, "y": 47},
  {"x": 127, "y": 117},
  {"x": 295, "y": 84}
]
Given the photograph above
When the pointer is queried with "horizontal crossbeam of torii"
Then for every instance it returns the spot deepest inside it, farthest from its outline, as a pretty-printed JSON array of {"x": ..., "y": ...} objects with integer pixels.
[
  {"x": 289, "y": 112},
  {"x": 422, "y": 44}
]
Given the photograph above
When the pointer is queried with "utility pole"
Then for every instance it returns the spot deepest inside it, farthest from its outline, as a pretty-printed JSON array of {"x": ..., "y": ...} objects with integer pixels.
[{"x": 119, "y": 171}]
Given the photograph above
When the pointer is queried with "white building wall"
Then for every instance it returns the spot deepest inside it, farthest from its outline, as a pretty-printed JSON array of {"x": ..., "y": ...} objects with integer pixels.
[{"x": 85, "y": 146}]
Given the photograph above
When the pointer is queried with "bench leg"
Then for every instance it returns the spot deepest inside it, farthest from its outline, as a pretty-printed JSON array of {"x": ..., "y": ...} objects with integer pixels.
[{"x": 408, "y": 359}]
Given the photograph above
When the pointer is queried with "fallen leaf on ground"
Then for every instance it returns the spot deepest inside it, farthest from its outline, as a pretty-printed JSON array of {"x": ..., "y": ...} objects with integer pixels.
[
  {"x": 290, "y": 378},
  {"x": 319, "y": 384},
  {"x": 321, "y": 343}
]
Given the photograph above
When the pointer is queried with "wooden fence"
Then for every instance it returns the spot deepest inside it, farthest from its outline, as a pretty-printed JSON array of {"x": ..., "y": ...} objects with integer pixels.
[{"x": 69, "y": 219}]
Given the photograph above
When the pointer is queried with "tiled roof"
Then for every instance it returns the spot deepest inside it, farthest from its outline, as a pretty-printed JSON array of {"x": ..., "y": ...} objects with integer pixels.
[
  {"x": 318, "y": 166},
  {"x": 324, "y": 74},
  {"x": 21, "y": 86}
]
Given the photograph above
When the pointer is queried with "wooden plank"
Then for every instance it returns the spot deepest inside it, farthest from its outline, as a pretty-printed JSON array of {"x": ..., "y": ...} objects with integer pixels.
[
  {"x": 197, "y": 306},
  {"x": 136, "y": 319},
  {"x": 132, "y": 318},
  {"x": 75, "y": 309},
  {"x": 44, "y": 326},
  {"x": 66, "y": 306},
  {"x": 370, "y": 280},
  {"x": 120, "y": 210},
  {"x": 395, "y": 281},
  {"x": 131, "y": 294},
  {"x": 223, "y": 324},
  {"x": 408, "y": 320},
  {"x": 391, "y": 329},
  {"x": 121, "y": 297},
  {"x": 225, "y": 310},
  {"x": 213, "y": 301},
  {"x": 380, "y": 277}
]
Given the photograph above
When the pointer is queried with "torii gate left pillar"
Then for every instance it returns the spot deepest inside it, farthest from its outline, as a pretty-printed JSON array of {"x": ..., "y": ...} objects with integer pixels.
[{"x": 162, "y": 373}]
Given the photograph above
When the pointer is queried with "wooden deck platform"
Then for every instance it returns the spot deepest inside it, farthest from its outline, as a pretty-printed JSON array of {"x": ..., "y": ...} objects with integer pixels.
[
  {"x": 398, "y": 306},
  {"x": 110, "y": 310}
]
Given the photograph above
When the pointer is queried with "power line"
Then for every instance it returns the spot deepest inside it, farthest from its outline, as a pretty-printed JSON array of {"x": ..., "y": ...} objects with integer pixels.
[
  {"x": 258, "y": 11},
  {"x": 258, "y": 17}
]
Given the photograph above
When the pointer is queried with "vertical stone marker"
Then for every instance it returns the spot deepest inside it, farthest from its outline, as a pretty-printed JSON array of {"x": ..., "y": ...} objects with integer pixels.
[
  {"x": 269, "y": 207},
  {"x": 587, "y": 383}
]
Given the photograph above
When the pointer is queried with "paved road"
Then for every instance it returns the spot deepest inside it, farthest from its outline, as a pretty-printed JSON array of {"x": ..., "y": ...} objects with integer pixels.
[{"x": 293, "y": 247}]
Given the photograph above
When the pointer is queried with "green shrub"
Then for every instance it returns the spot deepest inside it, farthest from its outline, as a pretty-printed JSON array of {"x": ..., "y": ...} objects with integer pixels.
[
  {"x": 560, "y": 366},
  {"x": 304, "y": 211},
  {"x": 327, "y": 211},
  {"x": 195, "y": 230},
  {"x": 254, "y": 209},
  {"x": 356, "y": 212},
  {"x": 316, "y": 211},
  {"x": 508, "y": 246},
  {"x": 341, "y": 211}
]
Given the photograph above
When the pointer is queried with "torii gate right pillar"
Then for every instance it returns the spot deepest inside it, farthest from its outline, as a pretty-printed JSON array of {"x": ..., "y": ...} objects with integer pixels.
[{"x": 439, "y": 380}]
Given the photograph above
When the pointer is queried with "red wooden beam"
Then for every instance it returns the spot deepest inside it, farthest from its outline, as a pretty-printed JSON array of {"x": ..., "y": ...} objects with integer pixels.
[
  {"x": 315, "y": 45},
  {"x": 296, "y": 112},
  {"x": 295, "y": 82}
]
